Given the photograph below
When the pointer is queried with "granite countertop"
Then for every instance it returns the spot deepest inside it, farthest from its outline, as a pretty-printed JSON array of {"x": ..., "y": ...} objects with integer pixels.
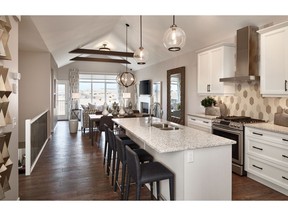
[
  {"x": 202, "y": 115},
  {"x": 164, "y": 141},
  {"x": 269, "y": 127}
]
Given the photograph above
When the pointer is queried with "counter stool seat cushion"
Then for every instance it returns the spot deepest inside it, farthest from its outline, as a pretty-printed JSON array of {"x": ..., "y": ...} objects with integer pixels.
[{"x": 143, "y": 173}]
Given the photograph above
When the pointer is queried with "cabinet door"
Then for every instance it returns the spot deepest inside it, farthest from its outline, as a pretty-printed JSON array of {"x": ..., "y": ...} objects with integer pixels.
[
  {"x": 216, "y": 70},
  {"x": 204, "y": 72},
  {"x": 273, "y": 64}
]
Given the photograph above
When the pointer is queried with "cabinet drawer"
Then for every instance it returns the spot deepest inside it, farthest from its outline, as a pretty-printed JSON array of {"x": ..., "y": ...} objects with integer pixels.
[
  {"x": 277, "y": 153},
  {"x": 267, "y": 171},
  {"x": 267, "y": 135},
  {"x": 200, "y": 124}
]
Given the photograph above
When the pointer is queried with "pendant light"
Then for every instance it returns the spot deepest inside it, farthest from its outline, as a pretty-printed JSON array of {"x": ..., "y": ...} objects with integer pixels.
[
  {"x": 141, "y": 55},
  {"x": 174, "y": 38},
  {"x": 104, "y": 48},
  {"x": 126, "y": 78}
]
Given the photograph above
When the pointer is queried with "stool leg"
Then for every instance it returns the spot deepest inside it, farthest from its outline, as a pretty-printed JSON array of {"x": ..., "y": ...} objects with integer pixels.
[
  {"x": 127, "y": 187},
  {"x": 138, "y": 191},
  {"x": 123, "y": 179},
  {"x": 116, "y": 175},
  {"x": 171, "y": 188},
  {"x": 158, "y": 190},
  {"x": 105, "y": 151},
  {"x": 108, "y": 161},
  {"x": 151, "y": 190},
  {"x": 113, "y": 166}
]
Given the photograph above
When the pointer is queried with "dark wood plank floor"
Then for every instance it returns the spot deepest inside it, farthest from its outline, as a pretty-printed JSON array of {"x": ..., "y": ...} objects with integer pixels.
[{"x": 71, "y": 169}]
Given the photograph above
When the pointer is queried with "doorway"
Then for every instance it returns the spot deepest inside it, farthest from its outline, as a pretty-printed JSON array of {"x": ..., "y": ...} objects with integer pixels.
[{"x": 62, "y": 93}]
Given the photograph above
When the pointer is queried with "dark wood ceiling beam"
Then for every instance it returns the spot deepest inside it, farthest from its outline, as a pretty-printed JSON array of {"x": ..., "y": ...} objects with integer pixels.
[
  {"x": 122, "y": 61},
  {"x": 111, "y": 53}
]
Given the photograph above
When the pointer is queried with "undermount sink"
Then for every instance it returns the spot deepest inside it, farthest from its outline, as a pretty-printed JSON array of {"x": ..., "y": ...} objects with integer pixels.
[{"x": 165, "y": 126}]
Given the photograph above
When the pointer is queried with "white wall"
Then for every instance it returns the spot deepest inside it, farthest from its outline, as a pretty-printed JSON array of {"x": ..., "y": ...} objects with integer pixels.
[
  {"x": 158, "y": 72},
  {"x": 13, "y": 110},
  {"x": 34, "y": 86}
]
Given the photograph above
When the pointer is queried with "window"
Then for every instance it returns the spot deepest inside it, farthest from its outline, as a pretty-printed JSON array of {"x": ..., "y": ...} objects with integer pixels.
[{"x": 98, "y": 89}]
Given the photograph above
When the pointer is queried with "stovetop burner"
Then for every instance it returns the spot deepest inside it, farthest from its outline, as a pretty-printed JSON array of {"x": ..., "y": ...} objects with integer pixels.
[{"x": 236, "y": 122}]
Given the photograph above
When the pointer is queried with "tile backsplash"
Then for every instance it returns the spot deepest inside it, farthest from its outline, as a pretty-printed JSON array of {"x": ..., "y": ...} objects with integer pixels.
[{"x": 249, "y": 102}]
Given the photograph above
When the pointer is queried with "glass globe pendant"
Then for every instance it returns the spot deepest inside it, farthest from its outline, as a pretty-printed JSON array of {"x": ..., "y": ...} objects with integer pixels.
[
  {"x": 126, "y": 78},
  {"x": 174, "y": 38},
  {"x": 141, "y": 55}
]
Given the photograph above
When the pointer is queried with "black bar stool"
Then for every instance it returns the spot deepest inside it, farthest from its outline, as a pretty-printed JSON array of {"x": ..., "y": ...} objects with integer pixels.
[
  {"x": 112, "y": 151},
  {"x": 146, "y": 173},
  {"x": 142, "y": 154}
]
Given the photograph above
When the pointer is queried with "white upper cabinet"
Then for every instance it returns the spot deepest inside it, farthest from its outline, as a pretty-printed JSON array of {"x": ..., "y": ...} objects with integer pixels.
[
  {"x": 214, "y": 63},
  {"x": 274, "y": 60}
]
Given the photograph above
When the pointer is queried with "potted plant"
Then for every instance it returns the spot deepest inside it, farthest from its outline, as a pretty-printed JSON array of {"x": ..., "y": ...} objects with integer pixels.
[{"x": 209, "y": 104}]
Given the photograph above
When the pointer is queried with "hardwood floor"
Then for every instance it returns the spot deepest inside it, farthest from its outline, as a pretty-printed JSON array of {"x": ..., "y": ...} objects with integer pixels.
[{"x": 71, "y": 169}]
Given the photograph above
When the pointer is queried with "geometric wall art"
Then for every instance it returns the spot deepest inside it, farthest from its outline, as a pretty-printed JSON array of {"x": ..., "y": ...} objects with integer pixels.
[
  {"x": 5, "y": 118},
  {"x": 5, "y": 28}
]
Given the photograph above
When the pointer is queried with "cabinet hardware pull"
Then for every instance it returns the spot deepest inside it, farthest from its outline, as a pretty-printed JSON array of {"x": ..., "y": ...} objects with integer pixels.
[
  {"x": 285, "y": 85},
  {"x": 257, "y": 167},
  {"x": 208, "y": 88},
  {"x": 193, "y": 119},
  {"x": 285, "y": 140},
  {"x": 285, "y": 156},
  {"x": 257, "y": 134},
  {"x": 284, "y": 178},
  {"x": 257, "y": 148},
  {"x": 205, "y": 122}
]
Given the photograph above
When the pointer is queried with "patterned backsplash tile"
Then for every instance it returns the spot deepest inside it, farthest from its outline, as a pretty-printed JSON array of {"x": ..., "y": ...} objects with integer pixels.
[{"x": 249, "y": 102}]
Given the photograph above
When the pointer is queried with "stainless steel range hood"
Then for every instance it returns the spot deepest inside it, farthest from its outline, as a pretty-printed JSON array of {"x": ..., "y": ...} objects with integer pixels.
[{"x": 247, "y": 56}]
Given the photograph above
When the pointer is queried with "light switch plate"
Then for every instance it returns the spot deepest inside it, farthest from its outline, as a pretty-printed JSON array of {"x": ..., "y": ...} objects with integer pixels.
[{"x": 190, "y": 157}]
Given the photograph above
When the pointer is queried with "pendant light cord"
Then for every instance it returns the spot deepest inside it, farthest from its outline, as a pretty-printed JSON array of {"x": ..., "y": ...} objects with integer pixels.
[
  {"x": 141, "y": 30},
  {"x": 127, "y": 25}
]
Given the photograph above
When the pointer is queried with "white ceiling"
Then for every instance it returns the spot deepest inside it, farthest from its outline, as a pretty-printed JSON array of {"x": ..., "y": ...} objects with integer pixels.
[{"x": 62, "y": 34}]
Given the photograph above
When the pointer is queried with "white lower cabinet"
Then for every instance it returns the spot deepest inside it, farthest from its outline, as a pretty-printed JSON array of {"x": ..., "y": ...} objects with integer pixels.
[
  {"x": 266, "y": 158},
  {"x": 200, "y": 123}
]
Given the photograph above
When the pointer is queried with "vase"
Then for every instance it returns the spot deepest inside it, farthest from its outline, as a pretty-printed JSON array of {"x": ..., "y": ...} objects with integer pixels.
[
  {"x": 105, "y": 110},
  {"x": 121, "y": 111},
  {"x": 214, "y": 111}
]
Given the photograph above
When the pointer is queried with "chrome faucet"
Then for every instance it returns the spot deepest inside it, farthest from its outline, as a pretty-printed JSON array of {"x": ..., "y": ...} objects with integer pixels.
[{"x": 157, "y": 112}]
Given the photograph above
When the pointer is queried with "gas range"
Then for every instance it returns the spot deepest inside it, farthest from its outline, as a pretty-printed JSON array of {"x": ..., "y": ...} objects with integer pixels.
[
  {"x": 235, "y": 122},
  {"x": 232, "y": 127}
]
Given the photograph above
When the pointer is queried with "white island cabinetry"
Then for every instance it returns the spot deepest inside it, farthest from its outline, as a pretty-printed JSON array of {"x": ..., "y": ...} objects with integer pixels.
[
  {"x": 201, "y": 161},
  {"x": 200, "y": 121},
  {"x": 266, "y": 155}
]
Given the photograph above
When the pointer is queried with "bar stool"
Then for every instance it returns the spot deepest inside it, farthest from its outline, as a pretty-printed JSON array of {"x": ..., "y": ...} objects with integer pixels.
[
  {"x": 112, "y": 151},
  {"x": 142, "y": 154},
  {"x": 105, "y": 127},
  {"x": 146, "y": 173}
]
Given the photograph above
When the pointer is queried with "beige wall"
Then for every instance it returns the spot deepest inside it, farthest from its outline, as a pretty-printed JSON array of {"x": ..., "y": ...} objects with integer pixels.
[{"x": 34, "y": 87}]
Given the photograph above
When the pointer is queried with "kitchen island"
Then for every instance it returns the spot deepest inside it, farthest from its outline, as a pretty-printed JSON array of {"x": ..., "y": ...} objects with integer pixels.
[{"x": 201, "y": 161}]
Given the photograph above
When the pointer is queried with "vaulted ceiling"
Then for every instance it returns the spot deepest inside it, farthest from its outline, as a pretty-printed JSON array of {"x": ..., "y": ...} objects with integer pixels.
[{"x": 61, "y": 34}]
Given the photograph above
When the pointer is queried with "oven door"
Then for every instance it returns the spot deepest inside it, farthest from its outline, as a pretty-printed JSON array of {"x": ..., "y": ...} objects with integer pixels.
[{"x": 237, "y": 149}]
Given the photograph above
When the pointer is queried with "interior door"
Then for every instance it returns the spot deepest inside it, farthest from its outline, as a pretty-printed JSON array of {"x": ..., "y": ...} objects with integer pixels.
[{"x": 62, "y": 100}]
